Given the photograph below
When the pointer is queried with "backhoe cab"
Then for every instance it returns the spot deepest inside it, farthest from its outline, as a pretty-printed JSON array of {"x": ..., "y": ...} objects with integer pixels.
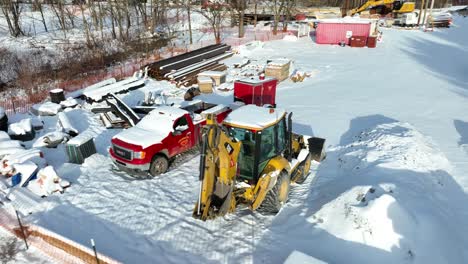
[{"x": 251, "y": 159}]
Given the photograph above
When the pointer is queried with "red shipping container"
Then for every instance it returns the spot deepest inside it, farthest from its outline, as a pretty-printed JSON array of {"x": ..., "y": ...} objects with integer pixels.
[
  {"x": 334, "y": 33},
  {"x": 256, "y": 91}
]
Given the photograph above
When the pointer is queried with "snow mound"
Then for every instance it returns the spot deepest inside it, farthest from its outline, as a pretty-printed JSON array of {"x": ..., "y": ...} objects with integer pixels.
[
  {"x": 393, "y": 145},
  {"x": 250, "y": 48},
  {"x": 299, "y": 257},
  {"x": 390, "y": 178},
  {"x": 290, "y": 38}
]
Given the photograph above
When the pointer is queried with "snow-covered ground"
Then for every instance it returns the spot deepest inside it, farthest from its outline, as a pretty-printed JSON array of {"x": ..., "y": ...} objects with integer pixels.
[
  {"x": 393, "y": 189},
  {"x": 23, "y": 256}
]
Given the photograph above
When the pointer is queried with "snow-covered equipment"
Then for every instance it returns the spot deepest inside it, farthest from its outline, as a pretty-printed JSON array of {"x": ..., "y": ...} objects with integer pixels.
[
  {"x": 3, "y": 120},
  {"x": 64, "y": 123},
  {"x": 23, "y": 173},
  {"x": 34, "y": 155},
  {"x": 252, "y": 158},
  {"x": 22, "y": 130},
  {"x": 79, "y": 148},
  {"x": 98, "y": 94},
  {"x": 9, "y": 151},
  {"x": 47, "y": 182},
  {"x": 191, "y": 93},
  {"x": 69, "y": 102},
  {"x": 155, "y": 98},
  {"x": 121, "y": 109},
  {"x": 46, "y": 109},
  {"x": 51, "y": 139},
  {"x": 56, "y": 95}
]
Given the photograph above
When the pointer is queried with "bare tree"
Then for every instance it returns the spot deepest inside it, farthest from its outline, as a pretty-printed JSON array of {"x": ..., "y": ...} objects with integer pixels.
[
  {"x": 239, "y": 6},
  {"x": 216, "y": 14},
  {"x": 277, "y": 8},
  {"x": 12, "y": 10},
  {"x": 89, "y": 36},
  {"x": 37, "y": 5},
  {"x": 288, "y": 6},
  {"x": 188, "y": 7},
  {"x": 9, "y": 249},
  {"x": 59, "y": 11}
]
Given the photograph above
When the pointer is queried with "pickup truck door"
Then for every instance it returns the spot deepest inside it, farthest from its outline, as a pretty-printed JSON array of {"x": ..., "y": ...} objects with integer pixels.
[{"x": 182, "y": 135}]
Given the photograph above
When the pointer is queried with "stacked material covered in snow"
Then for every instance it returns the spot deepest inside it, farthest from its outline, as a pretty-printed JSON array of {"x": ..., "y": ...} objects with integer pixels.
[
  {"x": 51, "y": 139},
  {"x": 205, "y": 84},
  {"x": 99, "y": 93},
  {"x": 64, "y": 124},
  {"x": 34, "y": 155},
  {"x": 219, "y": 77},
  {"x": 22, "y": 130},
  {"x": 69, "y": 102},
  {"x": 47, "y": 182},
  {"x": 278, "y": 69},
  {"x": 46, "y": 109}
]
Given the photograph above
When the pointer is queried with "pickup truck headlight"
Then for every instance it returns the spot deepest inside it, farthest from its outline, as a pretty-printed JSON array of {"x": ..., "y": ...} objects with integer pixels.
[{"x": 139, "y": 154}]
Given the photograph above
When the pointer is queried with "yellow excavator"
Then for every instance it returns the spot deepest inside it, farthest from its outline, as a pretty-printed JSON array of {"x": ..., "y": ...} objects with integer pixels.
[
  {"x": 251, "y": 159},
  {"x": 397, "y": 6}
]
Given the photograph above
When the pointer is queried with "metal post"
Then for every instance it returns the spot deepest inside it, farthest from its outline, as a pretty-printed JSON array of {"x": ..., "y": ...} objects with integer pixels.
[
  {"x": 22, "y": 229},
  {"x": 94, "y": 249},
  {"x": 421, "y": 12}
]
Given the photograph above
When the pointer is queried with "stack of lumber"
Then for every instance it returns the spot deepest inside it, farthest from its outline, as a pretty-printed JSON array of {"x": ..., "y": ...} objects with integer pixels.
[
  {"x": 184, "y": 68},
  {"x": 278, "y": 69}
]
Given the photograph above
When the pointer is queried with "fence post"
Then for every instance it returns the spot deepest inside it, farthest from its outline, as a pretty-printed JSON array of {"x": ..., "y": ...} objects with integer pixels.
[
  {"x": 22, "y": 230},
  {"x": 13, "y": 104},
  {"x": 95, "y": 251}
]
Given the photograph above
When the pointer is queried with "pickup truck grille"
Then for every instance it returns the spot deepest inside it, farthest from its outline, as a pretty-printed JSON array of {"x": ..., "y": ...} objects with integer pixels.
[{"x": 122, "y": 153}]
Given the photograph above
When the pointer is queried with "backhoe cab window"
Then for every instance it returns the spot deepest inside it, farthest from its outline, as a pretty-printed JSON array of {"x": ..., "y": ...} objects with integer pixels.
[{"x": 247, "y": 153}]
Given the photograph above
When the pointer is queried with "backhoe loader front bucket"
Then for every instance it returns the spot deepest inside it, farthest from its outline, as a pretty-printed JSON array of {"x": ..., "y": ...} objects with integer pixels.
[{"x": 316, "y": 148}]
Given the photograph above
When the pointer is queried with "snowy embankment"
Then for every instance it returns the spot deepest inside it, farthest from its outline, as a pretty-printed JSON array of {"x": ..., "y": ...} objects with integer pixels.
[{"x": 384, "y": 195}]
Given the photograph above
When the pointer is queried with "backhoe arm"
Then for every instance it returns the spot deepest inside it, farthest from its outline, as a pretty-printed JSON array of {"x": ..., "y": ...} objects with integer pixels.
[
  {"x": 218, "y": 168},
  {"x": 370, "y": 3}
]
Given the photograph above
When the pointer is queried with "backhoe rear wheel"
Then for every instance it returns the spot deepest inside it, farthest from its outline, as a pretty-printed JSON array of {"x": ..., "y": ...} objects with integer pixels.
[
  {"x": 277, "y": 196},
  {"x": 159, "y": 165}
]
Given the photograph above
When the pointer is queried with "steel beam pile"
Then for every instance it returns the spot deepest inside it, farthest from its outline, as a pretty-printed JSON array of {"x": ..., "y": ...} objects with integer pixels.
[{"x": 183, "y": 68}]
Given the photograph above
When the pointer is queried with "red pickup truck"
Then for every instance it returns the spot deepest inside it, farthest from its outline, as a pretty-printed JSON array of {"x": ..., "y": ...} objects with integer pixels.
[{"x": 162, "y": 134}]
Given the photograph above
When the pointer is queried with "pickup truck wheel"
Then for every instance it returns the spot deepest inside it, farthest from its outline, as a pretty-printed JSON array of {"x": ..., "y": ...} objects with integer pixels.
[{"x": 159, "y": 165}]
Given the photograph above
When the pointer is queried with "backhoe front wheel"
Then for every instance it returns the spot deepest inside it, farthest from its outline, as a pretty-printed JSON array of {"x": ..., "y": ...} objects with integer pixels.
[
  {"x": 159, "y": 165},
  {"x": 304, "y": 170},
  {"x": 277, "y": 196}
]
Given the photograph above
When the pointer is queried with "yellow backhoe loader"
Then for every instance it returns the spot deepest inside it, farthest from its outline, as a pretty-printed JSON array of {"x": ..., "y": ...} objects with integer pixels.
[
  {"x": 397, "y": 6},
  {"x": 251, "y": 159}
]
